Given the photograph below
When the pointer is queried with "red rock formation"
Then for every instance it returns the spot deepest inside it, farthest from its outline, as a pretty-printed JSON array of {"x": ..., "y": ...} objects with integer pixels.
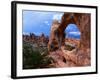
[
  {"x": 82, "y": 20},
  {"x": 53, "y": 42},
  {"x": 82, "y": 56}
]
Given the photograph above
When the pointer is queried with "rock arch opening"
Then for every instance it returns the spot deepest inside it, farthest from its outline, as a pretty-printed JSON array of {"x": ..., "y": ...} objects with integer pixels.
[
  {"x": 72, "y": 38},
  {"x": 82, "y": 20},
  {"x": 76, "y": 56},
  {"x": 72, "y": 31}
]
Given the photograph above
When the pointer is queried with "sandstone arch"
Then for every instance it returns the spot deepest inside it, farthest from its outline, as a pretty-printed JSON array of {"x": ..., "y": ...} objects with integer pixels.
[{"x": 82, "y": 20}]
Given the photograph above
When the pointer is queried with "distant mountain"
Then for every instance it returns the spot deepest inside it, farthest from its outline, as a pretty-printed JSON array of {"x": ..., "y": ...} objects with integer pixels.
[{"x": 75, "y": 35}]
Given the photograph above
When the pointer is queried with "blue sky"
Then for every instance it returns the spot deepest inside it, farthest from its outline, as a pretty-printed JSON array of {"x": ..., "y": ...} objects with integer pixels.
[
  {"x": 72, "y": 31},
  {"x": 39, "y": 22}
]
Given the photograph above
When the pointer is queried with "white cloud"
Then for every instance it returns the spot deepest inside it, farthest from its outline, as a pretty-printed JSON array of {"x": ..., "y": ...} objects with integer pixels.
[
  {"x": 37, "y": 33},
  {"x": 47, "y": 23},
  {"x": 57, "y": 16},
  {"x": 25, "y": 33},
  {"x": 75, "y": 33}
]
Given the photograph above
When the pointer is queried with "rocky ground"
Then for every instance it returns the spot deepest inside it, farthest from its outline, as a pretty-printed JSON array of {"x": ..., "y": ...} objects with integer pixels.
[
  {"x": 68, "y": 56},
  {"x": 71, "y": 58}
]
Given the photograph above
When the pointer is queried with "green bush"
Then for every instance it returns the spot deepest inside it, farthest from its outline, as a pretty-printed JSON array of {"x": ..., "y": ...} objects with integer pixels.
[
  {"x": 35, "y": 57},
  {"x": 69, "y": 47}
]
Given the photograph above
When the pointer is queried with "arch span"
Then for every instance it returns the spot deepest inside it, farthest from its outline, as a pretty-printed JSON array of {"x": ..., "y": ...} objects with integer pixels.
[{"x": 82, "y": 20}]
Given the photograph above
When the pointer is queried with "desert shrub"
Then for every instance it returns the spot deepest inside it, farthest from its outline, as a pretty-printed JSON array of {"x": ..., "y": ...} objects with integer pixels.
[
  {"x": 34, "y": 57},
  {"x": 69, "y": 47}
]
